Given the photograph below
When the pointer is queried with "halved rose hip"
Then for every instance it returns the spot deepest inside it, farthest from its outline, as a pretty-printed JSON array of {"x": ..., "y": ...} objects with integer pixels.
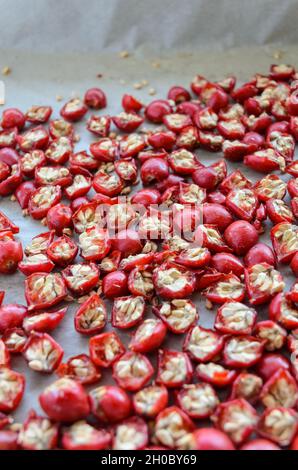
[
  {"x": 235, "y": 318},
  {"x": 247, "y": 386},
  {"x": 173, "y": 282},
  {"x": 42, "y": 352},
  {"x": 127, "y": 122},
  {"x": 140, "y": 282},
  {"x": 150, "y": 401},
  {"x": 179, "y": 315},
  {"x": 105, "y": 349},
  {"x": 149, "y": 335},
  {"x": 131, "y": 434},
  {"x": 280, "y": 390},
  {"x": 42, "y": 200},
  {"x": 39, "y": 243},
  {"x": 132, "y": 371},
  {"x": 215, "y": 374},
  {"x": 44, "y": 290},
  {"x": 110, "y": 404},
  {"x": 36, "y": 138},
  {"x": 12, "y": 385},
  {"x": 174, "y": 368},
  {"x": 91, "y": 317},
  {"x": 242, "y": 351},
  {"x": 81, "y": 278},
  {"x": 86, "y": 217},
  {"x": 279, "y": 425},
  {"x": 62, "y": 251},
  {"x": 274, "y": 335},
  {"x": 203, "y": 345},
  {"x": 270, "y": 187},
  {"x": 65, "y": 400},
  {"x": 237, "y": 418},
  {"x": 128, "y": 311},
  {"x": 173, "y": 428},
  {"x": 284, "y": 238},
  {"x": 11, "y": 316},
  {"x": 262, "y": 283},
  {"x": 242, "y": 203},
  {"x": 198, "y": 401},
  {"x": 227, "y": 288},
  {"x": 83, "y": 436},
  {"x": 43, "y": 322},
  {"x": 14, "y": 340},
  {"x": 81, "y": 369},
  {"x": 74, "y": 110},
  {"x": 284, "y": 311},
  {"x": 36, "y": 263},
  {"x": 94, "y": 244}
]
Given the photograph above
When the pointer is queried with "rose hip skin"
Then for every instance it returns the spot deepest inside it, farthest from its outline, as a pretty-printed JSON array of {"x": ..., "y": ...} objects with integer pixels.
[
  {"x": 241, "y": 236},
  {"x": 211, "y": 439},
  {"x": 259, "y": 253},
  {"x": 218, "y": 215},
  {"x": 156, "y": 110},
  {"x": 11, "y": 253},
  {"x": 260, "y": 444},
  {"x": 11, "y": 316},
  {"x": 13, "y": 117},
  {"x": 150, "y": 401},
  {"x": 110, "y": 404},
  {"x": 227, "y": 263},
  {"x": 65, "y": 400}
]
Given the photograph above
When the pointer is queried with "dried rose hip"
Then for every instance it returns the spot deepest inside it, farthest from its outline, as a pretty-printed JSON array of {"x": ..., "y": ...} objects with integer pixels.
[
  {"x": 65, "y": 400},
  {"x": 81, "y": 369},
  {"x": 38, "y": 433},
  {"x": 12, "y": 385},
  {"x": 81, "y": 278},
  {"x": 235, "y": 318},
  {"x": 83, "y": 436},
  {"x": 91, "y": 317},
  {"x": 44, "y": 290},
  {"x": 242, "y": 351},
  {"x": 237, "y": 418},
  {"x": 128, "y": 311},
  {"x": 149, "y": 335},
  {"x": 279, "y": 425},
  {"x": 132, "y": 371},
  {"x": 198, "y": 401},
  {"x": 247, "y": 386},
  {"x": 173, "y": 428},
  {"x": 42, "y": 352},
  {"x": 105, "y": 349},
  {"x": 174, "y": 368},
  {"x": 262, "y": 283},
  {"x": 110, "y": 404},
  {"x": 150, "y": 401}
]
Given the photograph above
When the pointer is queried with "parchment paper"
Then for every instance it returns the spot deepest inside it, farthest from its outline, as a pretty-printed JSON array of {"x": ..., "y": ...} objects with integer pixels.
[{"x": 38, "y": 46}]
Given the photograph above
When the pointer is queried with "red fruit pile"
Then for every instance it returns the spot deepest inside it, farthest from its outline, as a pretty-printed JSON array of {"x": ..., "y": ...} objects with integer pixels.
[{"x": 241, "y": 375}]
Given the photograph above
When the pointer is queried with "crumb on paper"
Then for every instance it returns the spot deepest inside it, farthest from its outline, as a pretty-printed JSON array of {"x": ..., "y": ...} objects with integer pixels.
[
  {"x": 77, "y": 137},
  {"x": 6, "y": 70},
  {"x": 152, "y": 91},
  {"x": 209, "y": 305},
  {"x": 137, "y": 86},
  {"x": 124, "y": 54},
  {"x": 278, "y": 54},
  {"x": 155, "y": 64},
  {"x": 112, "y": 135},
  {"x": 59, "y": 98},
  {"x": 122, "y": 81},
  {"x": 99, "y": 75},
  {"x": 144, "y": 82}
]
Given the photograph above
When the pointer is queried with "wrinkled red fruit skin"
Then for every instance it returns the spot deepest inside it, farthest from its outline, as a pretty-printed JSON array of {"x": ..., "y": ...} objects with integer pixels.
[
  {"x": 114, "y": 284},
  {"x": 260, "y": 253}
]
